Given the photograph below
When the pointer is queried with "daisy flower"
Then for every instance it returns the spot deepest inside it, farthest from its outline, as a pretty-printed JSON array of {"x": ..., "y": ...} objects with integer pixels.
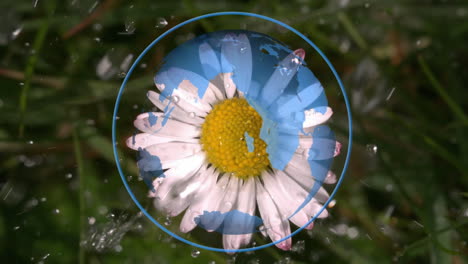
[{"x": 236, "y": 141}]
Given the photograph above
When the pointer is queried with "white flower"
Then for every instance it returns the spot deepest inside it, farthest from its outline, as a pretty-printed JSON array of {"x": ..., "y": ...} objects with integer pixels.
[{"x": 228, "y": 138}]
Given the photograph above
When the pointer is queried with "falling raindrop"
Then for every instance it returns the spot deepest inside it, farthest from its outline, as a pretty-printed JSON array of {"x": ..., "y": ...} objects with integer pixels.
[
  {"x": 16, "y": 228},
  {"x": 161, "y": 22},
  {"x": 195, "y": 253},
  {"x": 390, "y": 94},
  {"x": 371, "y": 149},
  {"x": 56, "y": 211},
  {"x": 91, "y": 9},
  {"x": 68, "y": 176},
  {"x": 243, "y": 49},
  {"x": 367, "y": 5},
  {"x": 129, "y": 178},
  {"x": 43, "y": 199},
  {"x": 175, "y": 98},
  {"x": 30, "y": 142}
]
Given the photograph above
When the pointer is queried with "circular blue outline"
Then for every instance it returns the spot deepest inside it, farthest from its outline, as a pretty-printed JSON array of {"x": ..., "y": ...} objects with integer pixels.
[{"x": 124, "y": 83}]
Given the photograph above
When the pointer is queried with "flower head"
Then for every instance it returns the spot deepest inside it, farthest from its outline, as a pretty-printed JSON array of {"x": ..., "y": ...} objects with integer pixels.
[{"x": 238, "y": 128}]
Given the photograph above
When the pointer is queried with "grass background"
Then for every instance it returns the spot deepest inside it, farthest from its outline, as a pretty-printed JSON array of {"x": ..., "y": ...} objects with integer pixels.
[{"x": 403, "y": 64}]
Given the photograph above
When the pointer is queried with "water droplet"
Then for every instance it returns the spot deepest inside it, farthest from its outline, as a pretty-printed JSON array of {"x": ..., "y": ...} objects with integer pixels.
[
  {"x": 371, "y": 149},
  {"x": 97, "y": 39},
  {"x": 35, "y": 3},
  {"x": 175, "y": 98},
  {"x": 195, "y": 253},
  {"x": 91, "y": 220},
  {"x": 16, "y": 228},
  {"x": 228, "y": 85},
  {"x": 168, "y": 221},
  {"x": 43, "y": 199},
  {"x": 97, "y": 27},
  {"x": 16, "y": 32},
  {"x": 352, "y": 232},
  {"x": 367, "y": 5},
  {"x": 30, "y": 142},
  {"x": 143, "y": 65},
  {"x": 27, "y": 44},
  {"x": 129, "y": 178},
  {"x": 130, "y": 27},
  {"x": 192, "y": 115},
  {"x": 56, "y": 211},
  {"x": 68, "y": 176},
  {"x": 161, "y": 22},
  {"x": 118, "y": 248},
  {"x": 117, "y": 117},
  {"x": 389, "y": 187},
  {"x": 122, "y": 74},
  {"x": 243, "y": 49}
]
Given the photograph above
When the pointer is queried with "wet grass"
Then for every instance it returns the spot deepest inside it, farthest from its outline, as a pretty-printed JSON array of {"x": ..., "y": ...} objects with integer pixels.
[{"x": 403, "y": 64}]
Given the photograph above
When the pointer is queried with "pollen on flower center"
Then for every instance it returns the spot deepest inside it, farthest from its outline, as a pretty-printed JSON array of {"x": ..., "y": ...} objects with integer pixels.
[{"x": 230, "y": 138}]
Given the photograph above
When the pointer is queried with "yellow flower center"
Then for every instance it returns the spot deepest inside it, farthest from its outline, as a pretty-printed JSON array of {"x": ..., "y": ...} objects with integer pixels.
[{"x": 230, "y": 138}]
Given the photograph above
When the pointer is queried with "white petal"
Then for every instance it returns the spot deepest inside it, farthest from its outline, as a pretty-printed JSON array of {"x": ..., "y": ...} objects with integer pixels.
[
  {"x": 246, "y": 204},
  {"x": 236, "y": 59},
  {"x": 144, "y": 140},
  {"x": 296, "y": 170},
  {"x": 213, "y": 95},
  {"x": 207, "y": 199},
  {"x": 174, "y": 175},
  {"x": 181, "y": 197},
  {"x": 287, "y": 195},
  {"x": 281, "y": 77},
  {"x": 176, "y": 112},
  {"x": 314, "y": 118},
  {"x": 299, "y": 169},
  {"x": 229, "y": 85},
  {"x": 173, "y": 150},
  {"x": 185, "y": 95},
  {"x": 209, "y": 60},
  {"x": 274, "y": 225},
  {"x": 156, "y": 123},
  {"x": 319, "y": 153}
]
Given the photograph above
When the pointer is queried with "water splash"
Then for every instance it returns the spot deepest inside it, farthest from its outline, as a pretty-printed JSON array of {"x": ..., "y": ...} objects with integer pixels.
[{"x": 107, "y": 236}]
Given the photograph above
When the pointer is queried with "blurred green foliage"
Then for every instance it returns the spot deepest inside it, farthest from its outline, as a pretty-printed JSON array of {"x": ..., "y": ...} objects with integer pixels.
[{"x": 404, "y": 199}]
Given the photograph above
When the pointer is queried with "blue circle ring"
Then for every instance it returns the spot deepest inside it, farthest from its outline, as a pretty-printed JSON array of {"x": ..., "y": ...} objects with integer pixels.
[{"x": 127, "y": 77}]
